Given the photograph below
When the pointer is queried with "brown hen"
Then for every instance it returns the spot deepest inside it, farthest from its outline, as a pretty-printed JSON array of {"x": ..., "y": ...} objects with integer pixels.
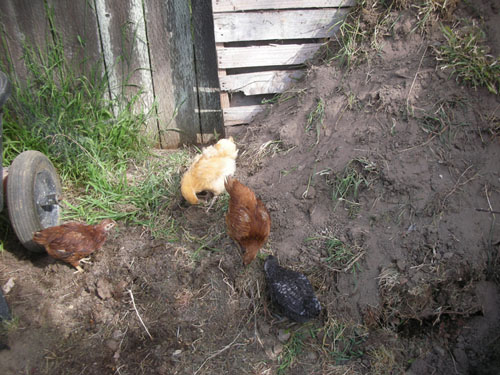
[
  {"x": 72, "y": 242},
  {"x": 247, "y": 219}
]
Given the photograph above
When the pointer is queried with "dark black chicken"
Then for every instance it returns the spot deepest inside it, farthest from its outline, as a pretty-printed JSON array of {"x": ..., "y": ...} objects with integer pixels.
[{"x": 291, "y": 291}]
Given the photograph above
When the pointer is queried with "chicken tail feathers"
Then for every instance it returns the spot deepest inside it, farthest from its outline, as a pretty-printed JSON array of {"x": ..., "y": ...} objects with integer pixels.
[
  {"x": 229, "y": 184},
  {"x": 188, "y": 192},
  {"x": 39, "y": 238}
]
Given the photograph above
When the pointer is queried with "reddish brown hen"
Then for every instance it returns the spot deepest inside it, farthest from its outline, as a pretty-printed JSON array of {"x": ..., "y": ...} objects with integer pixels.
[
  {"x": 247, "y": 219},
  {"x": 71, "y": 242}
]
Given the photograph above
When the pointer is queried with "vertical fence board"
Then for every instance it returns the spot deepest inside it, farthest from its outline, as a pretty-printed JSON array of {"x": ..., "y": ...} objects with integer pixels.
[
  {"x": 80, "y": 36},
  {"x": 23, "y": 21},
  {"x": 206, "y": 71},
  {"x": 124, "y": 44},
  {"x": 172, "y": 62}
]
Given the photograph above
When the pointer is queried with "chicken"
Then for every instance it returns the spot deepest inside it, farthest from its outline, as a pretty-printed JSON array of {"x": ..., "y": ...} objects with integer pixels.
[
  {"x": 72, "y": 242},
  {"x": 208, "y": 170},
  {"x": 247, "y": 219},
  {"x": 291, "y": 291}
]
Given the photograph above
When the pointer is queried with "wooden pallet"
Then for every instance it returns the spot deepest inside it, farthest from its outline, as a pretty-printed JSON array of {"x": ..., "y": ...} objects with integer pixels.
[{"x": 263, "y": 44}]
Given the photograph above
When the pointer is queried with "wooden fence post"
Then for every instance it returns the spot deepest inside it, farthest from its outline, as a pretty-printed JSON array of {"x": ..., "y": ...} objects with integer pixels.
[
  {"x": 172, "y": 63},
  {"x": 125, "y": 49},
  {"x": 212, "y": 123},
  {"x": 80, "y": 36},
  {"x": 23, "y": 21}
]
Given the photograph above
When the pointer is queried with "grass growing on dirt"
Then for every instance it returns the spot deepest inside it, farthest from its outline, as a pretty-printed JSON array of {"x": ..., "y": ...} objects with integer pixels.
[
  {"x": 342, "y": 341},
  {"x": 338, "y": 254},
  {"x": 465, "y": 57},
  {"x": 93, "y": 142},
  {"x": 441, "y": 123},
  {"x": 284, "y": 96},
  {"x": 358, "y": 173},
  {"x": 335, "y": 341},
  {"x": 315, "y": 119},
  {"x": 349, "y": 39},
  {"x": 384, "y": 361},
  {"x": 291, "y": 351},
  {"x": 362, "y": 31}
]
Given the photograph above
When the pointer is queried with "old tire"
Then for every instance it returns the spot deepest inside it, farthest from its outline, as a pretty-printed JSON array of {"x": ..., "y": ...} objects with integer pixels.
[{"x": 31, "y": 180}]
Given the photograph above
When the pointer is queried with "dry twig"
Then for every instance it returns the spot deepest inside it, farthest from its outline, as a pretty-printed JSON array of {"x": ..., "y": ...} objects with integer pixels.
[
  {"x": 137, "y": 312},
  {"x": 414, "y": 79},
  {"x": 487, "y": 210}
]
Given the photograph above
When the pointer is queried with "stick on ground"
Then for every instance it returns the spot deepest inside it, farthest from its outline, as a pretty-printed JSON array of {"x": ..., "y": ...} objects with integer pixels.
[{"x": 137, "y": 312}]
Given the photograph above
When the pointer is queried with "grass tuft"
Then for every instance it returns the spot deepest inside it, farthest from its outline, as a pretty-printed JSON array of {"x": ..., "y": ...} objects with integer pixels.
[
  {"x": 284, "y": 96},
  {"x": 466, "y": 58},
  {"x": 350, "y": 38},
  {"x": 315, "y": 119},
  {"x": 338, "y": 255},
  {"x": 358, "y": 174},
  {"x": 291, "y": 351}
]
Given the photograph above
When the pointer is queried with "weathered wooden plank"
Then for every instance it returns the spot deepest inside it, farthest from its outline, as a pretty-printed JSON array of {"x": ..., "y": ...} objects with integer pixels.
[
  {"x": 224, "y": 97},
  {"x": 124, "y": 44},
  {"x": 172, "y": 61},
  {"x": 240, "y": 5},
  {"x": 270, "y": 82},
  {"x": 286, "y": 24},
  {"x": 207, "y": 79},
  {"x": 80, "y": 37},
  {"x": 255, "y": 56},
  {"x": 23, "y": 21},
  {"x": 241, "y": 115}
]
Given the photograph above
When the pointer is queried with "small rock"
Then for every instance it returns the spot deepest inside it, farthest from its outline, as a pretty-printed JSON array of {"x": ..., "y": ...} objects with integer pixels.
[
  {"x": 103, "y": 289},
  {"x": 8, "y": 286},
  {"x": 283, "y": 335},
  {"x": 119, "y": 289},
  {"x": 275, "y": 351},
  {"x": 117, "y": 334},
  {"x": 112, "y": 344},
  {"x": 264, "y": 328},
  {"x": 440, "y": 350},
  {"x": 401, "y": 264}
]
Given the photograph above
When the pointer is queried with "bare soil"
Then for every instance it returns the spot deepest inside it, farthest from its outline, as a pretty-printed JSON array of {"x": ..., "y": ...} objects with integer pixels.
[{"x": 418, "y": 292}]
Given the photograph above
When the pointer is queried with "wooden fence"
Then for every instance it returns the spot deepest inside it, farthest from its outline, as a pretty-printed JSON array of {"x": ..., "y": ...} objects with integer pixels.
[
  {"x": 262, "y": 46},
  {"x": 178, "y": 54},
  {"x": 145, "y": 45}
]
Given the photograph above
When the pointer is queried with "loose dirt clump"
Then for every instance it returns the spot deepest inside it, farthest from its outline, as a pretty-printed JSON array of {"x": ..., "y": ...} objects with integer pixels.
[{"x": 380, "y": 181}]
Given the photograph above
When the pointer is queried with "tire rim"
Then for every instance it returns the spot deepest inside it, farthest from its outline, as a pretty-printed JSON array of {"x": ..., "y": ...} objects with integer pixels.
[{"x": 46, "y": 199}]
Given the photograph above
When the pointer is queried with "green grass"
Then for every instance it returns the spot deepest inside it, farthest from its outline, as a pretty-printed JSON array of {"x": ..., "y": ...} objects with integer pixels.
[
  {"x": 284, "y": 96},
  {"x": 342, "y": 341},
  {"x": 359, "y": 173},
  {"x": 334, "y": 341},
  {"x": 350, "y": 38},
  {"x": 291, "y": 351},
  {"x": 338, "y": 254},
  {"x": 363, "y": 30},
  {"x": 315, "y": 119},
  {"x": 98, "y": 146},
  {"x": 441, "y": 123},
  {"x": 7, "y": 326},
  {"x": 464, "y": 56}
]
